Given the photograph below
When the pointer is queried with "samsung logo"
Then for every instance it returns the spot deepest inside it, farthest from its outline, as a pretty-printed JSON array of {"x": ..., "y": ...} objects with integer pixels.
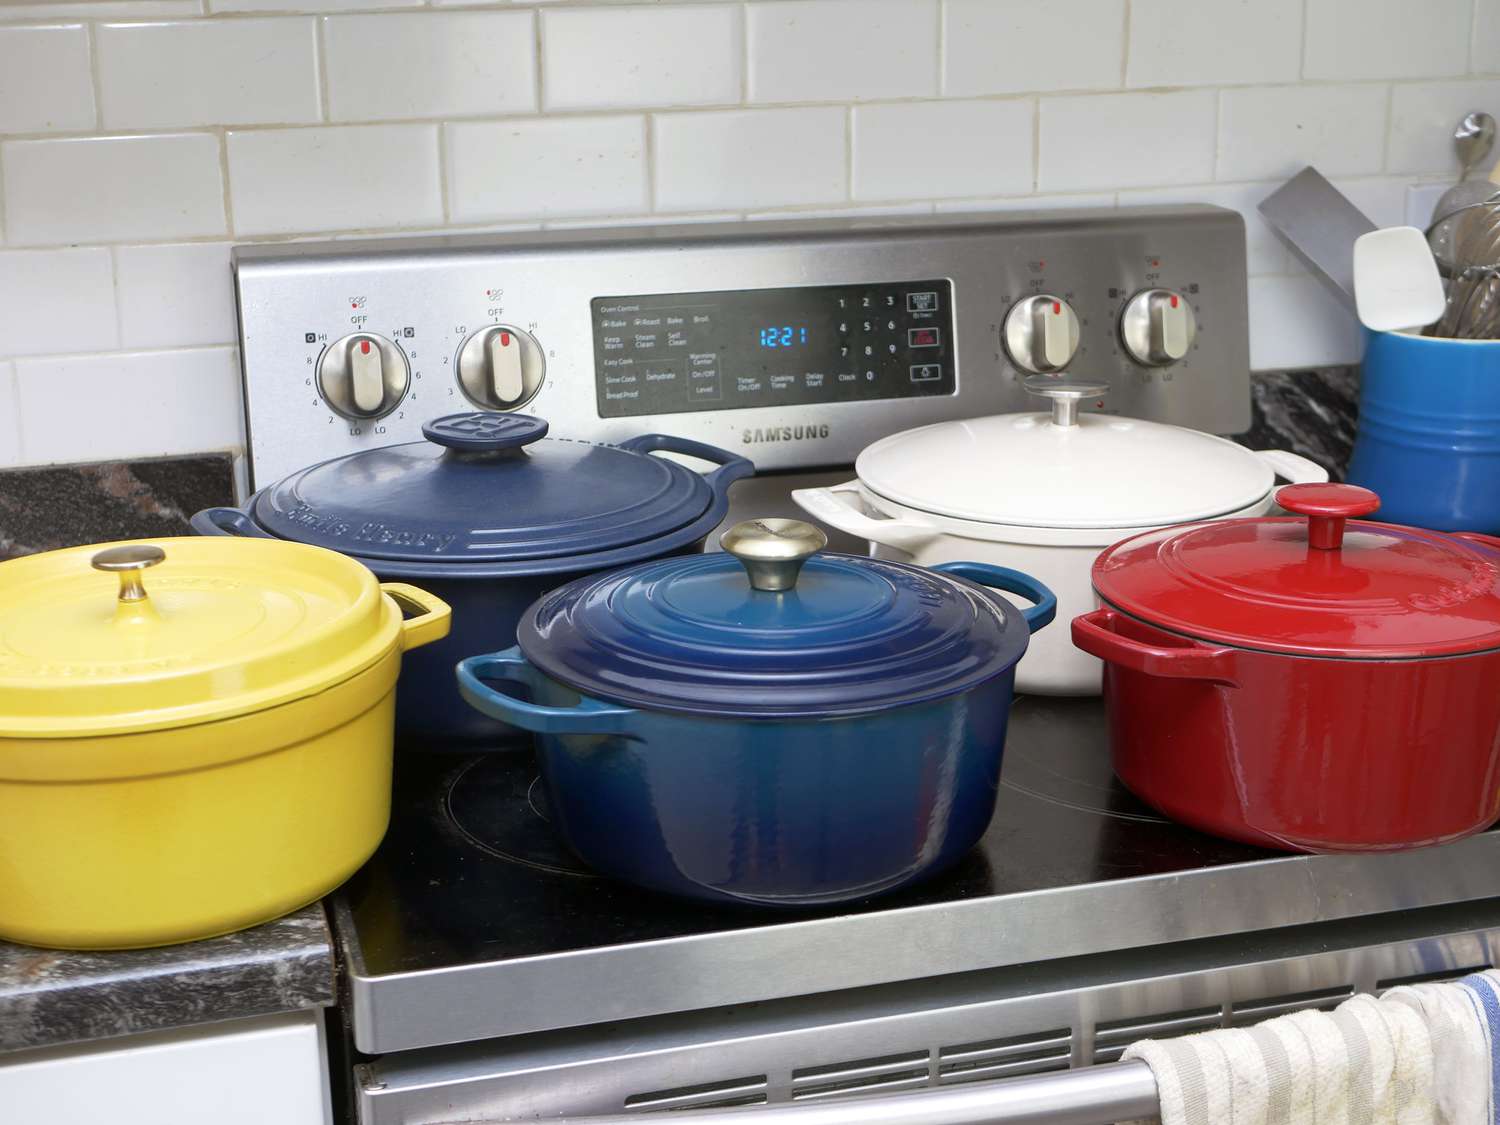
[{"x": 784, "y": 433}]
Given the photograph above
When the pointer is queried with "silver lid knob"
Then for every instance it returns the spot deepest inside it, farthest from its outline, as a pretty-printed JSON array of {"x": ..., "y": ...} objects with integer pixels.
[
  {"x": 772, "y": 551},
  {"x": 128, "y": 562},
  {"x": 1065, "y": 394}
]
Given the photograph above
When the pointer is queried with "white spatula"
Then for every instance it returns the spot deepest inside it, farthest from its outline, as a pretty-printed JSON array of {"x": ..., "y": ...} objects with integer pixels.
[{"x": 1396, "y": 282}]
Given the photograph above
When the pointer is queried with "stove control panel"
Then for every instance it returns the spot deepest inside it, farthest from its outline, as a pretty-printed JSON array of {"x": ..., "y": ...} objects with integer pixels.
[{"x": 796, "y": 343}]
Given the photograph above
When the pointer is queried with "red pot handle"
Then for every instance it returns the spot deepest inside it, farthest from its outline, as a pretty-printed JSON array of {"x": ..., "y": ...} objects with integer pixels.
[
  {"x": 1327, "y": 507},
  {"x": 1095, "y": 634}
]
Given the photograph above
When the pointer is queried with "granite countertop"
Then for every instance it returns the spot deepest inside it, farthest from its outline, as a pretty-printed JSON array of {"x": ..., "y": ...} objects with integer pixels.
[{"x": 50, "y": 997}]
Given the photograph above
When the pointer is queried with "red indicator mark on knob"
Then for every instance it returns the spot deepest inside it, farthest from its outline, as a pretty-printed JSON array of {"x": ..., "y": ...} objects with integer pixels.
[
  {"x": 505, "y": 339},
  {"x": 364, "y": 347},
  {"x": 1057, "y": 308},
  {"x": 1174, "y": 300}
]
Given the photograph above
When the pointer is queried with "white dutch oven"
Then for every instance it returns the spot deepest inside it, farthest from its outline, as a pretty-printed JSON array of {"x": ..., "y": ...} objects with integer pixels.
[{"x": 1045, "y": 494}]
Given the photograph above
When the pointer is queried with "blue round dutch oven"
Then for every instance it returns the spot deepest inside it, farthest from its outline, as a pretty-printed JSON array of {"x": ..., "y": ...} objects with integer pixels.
[
  {"x": 489, "y": 514},
  {"x": 769, "y": 726}
]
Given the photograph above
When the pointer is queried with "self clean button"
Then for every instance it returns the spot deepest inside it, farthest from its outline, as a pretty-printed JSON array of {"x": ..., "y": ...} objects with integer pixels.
[{"x": 926, "y": 372}]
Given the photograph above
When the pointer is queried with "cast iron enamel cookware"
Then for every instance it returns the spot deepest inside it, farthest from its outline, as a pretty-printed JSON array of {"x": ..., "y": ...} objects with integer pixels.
[
  {"x": 489, "y": 513},
  {"x": 771, "y": 725},
  {"x": 1305, "y": 683}
]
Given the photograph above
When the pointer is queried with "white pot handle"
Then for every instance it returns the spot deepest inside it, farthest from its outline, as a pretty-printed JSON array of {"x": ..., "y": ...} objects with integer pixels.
[
  {"x": 1293, "y": 468},
  {"x": 830, "y": 506}
]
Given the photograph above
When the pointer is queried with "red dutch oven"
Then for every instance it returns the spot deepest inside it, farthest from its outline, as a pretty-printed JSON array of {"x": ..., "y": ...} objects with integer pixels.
[{"x": 1297, "y": 684}]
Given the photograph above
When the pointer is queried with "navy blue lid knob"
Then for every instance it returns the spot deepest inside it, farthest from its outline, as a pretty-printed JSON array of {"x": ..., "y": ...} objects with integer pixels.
[{"x": 484, "y": 431}]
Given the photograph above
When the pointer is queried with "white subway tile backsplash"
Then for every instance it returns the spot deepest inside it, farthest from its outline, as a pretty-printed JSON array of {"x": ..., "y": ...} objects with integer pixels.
[
  {"x": 1485, "y": 56},
  {"x": 1383, "y": 200},
  {"x": 1093, "y": 200},
  {"x": 91, "y": 408},
  {"x": 1126, "y": 140},
  {"x": 45, "y": 84},
  {"x": 1214, "y": 42},
  {"x": 1019, "y": 46},
  {"x": 112, "y": 188},
  {"x": 1422, "y": 121},
  {"x": 1294, "y": 322},
  {"x": 207, "y": 72},
  {"x": 311, "y": 5},
  {"x": 1265, "y": 253},
  {"x": 457, "y": 64},
  {"x": 175, "y": 295},
  {"x": 10, "y": 417},
  {"x": 1272, "y": 132},
  {"x": 751, "y": 159},
  {"x": 842, "y": 50},
  {"x": 1385, "y": 39},
  {"x": 284, "y": 181},
  {"x": 567, "y": 166},
  {"x": 608, "y": 58},
  {"x": 56, "y": 301},
  {"x": 53, "y": 10},
  {"x": 935, "y": 149}
]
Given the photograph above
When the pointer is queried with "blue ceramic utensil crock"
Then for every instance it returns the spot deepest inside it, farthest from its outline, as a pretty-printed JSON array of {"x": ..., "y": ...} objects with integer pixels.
[
  {"x": 769, "y": 726},
  {"x": 489, "y": 514},
  {"x": 1429, "y": 431}
]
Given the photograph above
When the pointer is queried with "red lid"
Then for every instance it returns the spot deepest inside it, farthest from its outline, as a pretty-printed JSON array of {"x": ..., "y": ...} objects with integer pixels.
[{"x": 1312, "y": 586}]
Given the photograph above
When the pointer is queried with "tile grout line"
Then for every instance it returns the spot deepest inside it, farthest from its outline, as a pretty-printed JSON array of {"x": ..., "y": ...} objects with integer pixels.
[
  {"x": 942, "y": 48},
  {"x": 320, "y": 66}
]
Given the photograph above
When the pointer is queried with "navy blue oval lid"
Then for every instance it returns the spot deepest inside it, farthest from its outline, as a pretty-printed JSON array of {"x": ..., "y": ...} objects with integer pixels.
[
  {"x": 484, "y": 488},
  {"x": 690, "y": 635}
]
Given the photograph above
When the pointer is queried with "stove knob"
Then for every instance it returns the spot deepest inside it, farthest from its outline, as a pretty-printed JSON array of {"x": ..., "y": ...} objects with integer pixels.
[
  {"x": 500, "y": 367},
  {"x": 363, "y": 375},
  {"x": 1158, "y": 327},
  {"x": 1041, "y": 333}
]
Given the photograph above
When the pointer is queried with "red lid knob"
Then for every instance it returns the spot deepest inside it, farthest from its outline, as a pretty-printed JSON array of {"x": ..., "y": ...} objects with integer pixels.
[{"x": 1326, "y": 507}]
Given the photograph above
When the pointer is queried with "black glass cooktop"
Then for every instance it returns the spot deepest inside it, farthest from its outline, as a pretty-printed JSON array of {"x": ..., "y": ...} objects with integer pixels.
[{"x": 471, "y": 871}]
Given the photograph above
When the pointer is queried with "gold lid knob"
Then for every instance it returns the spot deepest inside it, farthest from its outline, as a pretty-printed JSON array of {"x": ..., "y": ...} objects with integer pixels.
[
  {"x": 772, "y": 551},
  {"x": 128, "y": 562}
]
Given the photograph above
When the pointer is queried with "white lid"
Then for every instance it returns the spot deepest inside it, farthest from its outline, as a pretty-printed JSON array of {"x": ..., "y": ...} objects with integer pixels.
[{"x": 1064, "y": 469}]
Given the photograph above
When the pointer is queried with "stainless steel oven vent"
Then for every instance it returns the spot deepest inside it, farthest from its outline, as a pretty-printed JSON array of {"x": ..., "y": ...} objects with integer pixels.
[
  {"x": 1112, "y": 1037},
  {"x": 713, "y": 1095},
  {"x": 1436, "y": 976},
  {"x": 1006, "y": 1058},
  {"x": 859, "y": 1076},
  {"x": 1264, "y": 1008}
]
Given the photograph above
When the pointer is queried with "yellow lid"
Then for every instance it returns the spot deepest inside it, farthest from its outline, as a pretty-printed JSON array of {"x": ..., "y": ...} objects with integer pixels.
[{"x": 146, "y": 635}]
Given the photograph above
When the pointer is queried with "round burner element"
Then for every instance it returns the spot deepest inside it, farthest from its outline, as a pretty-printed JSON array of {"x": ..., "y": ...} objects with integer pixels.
[
  {"x": 499, "y": 804},
  {"x": 1072, "y": 772}
]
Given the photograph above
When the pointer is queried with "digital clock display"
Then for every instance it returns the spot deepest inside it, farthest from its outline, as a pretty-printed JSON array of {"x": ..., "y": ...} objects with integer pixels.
[
  {"x": 669, "y": 353},
  {"x": 783, "y": 335}
]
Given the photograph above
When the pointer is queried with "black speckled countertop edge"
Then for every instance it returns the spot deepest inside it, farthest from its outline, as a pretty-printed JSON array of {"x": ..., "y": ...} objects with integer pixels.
[{"x": 49, "y": 998}]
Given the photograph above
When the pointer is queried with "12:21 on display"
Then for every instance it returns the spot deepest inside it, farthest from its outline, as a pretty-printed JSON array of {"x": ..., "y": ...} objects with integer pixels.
[{"x": 782, "y": 336}]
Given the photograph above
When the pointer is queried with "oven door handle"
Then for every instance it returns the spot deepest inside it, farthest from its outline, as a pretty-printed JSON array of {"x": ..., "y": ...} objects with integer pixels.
[{"x": 1093, "y": 1095}]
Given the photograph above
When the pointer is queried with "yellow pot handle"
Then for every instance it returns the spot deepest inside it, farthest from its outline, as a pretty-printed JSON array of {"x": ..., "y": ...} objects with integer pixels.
[{"x": 432, "y": 614}]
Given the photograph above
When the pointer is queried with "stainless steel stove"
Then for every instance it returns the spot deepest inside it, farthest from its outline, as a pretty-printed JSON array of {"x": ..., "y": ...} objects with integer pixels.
[{"x": 489, "y": 977}]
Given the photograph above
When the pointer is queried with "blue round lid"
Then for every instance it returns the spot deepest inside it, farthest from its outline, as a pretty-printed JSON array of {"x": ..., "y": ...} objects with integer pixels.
[
  {"x": 848, "y": 635},
  {"x": 484, "y": 488}
]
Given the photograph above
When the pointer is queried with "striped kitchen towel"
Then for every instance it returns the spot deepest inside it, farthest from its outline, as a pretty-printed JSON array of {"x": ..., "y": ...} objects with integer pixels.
[{"x": 1369, "y": 1061}]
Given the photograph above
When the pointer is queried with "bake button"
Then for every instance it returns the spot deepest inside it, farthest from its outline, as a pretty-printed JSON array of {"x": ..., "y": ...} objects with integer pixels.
[
  {"x": 926, "y": 372},
  {"x": 922, "y": 338},
  {"x": 921, "y": 302}
]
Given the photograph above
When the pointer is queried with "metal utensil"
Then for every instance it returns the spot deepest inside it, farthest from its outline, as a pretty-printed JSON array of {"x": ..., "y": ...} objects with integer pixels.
[{"x": 1473, "y": 138}]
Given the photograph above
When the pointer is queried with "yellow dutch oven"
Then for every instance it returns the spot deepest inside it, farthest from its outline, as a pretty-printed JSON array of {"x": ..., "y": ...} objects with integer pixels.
[{"x": 193, "y": 748}]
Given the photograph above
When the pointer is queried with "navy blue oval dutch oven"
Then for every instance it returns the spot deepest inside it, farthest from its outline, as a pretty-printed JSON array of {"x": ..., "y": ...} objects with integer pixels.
[
  {"x": 489, "y": 514},
  {"x": 770, "y": 726}
]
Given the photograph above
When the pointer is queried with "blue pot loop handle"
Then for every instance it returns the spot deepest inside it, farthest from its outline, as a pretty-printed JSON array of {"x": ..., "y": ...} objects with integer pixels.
[
  {"x": 1012, "y": 582},
  {"x": 589, "y": 716},
  {"x": 732, "y": 467}
]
